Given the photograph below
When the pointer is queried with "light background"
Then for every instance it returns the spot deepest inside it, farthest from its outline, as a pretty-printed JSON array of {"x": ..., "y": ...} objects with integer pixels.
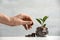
[{"x": 35, "y": 8}]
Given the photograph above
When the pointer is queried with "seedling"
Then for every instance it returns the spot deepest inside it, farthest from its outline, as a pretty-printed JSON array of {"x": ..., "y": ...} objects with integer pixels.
[
  {"x": 42, "y": 31},
  {"x": 42, "y": 20}
]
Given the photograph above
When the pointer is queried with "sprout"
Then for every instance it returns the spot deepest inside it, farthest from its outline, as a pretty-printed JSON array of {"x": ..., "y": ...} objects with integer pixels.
[{"x": 42, "y": 20}]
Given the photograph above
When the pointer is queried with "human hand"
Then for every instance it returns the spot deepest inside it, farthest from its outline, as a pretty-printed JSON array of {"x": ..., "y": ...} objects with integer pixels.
[
  {"x": 26, "y": 20},
  {"x": 21, "y": 19}
]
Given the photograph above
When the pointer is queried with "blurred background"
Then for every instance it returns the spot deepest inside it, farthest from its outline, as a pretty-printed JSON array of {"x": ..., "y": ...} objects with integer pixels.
[{"x": 36, "y": 9}]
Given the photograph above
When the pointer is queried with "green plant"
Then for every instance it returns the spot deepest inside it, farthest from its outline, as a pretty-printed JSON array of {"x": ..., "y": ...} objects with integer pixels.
[{"x": 42, "y": 20}]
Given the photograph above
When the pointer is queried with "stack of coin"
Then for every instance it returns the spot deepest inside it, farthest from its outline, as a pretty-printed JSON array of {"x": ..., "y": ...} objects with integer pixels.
[
  {"x": 31, "y": 35},
  {"x": 40, "y": 32}
]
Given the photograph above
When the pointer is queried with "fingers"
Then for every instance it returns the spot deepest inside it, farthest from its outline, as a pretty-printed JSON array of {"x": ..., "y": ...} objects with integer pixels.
[
  {"x": 27, "y": 26},
  {"x": 26, "y": 20},
  {"x": 24, "y": 17},
  {"x": 30, "y": 19}
]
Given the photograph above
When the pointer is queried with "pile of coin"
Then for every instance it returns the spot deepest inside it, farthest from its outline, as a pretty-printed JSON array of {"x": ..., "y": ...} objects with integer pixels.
[
  {"x": 31, "y": 35},
  {"x": 40, "y": 32}
]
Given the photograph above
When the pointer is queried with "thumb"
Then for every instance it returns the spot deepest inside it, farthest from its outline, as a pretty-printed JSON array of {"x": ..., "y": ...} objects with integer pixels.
[{"x": 27, "y": 22}]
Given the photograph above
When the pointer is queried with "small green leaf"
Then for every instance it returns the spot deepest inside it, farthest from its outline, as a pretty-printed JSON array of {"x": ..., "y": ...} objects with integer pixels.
[
  {"x": 41, "y": 19},
  {"x": 44, "y": 25},
  {"x": 44, "y": 18},
  {"x": 38, "y": 21}
]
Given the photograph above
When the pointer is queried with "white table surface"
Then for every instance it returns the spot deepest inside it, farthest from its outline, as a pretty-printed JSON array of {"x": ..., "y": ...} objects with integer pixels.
[{"x": 31, "y": 38}]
